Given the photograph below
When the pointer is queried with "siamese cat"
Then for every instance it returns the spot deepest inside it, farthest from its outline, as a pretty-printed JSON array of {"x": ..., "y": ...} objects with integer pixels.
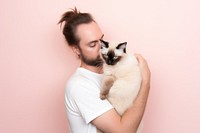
[{"x": 122, "y": 76}]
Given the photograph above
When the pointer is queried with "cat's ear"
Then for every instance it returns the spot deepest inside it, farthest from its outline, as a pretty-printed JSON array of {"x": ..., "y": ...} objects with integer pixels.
[
  {"x": 104, "y": 44},
  {"x": 122, "y": 46}
]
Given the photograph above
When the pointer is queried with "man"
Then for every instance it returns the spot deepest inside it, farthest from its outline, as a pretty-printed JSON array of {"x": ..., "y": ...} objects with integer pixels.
[{"x": 85, "y": 110}]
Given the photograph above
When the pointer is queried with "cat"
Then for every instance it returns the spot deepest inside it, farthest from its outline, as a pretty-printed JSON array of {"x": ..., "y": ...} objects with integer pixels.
[{"x": 122, "y": 76}]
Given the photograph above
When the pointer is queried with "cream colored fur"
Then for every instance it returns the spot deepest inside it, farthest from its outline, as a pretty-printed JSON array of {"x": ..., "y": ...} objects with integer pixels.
[
  {"x": 127, "y": 79},
  {"x": 121, "y": 82}
]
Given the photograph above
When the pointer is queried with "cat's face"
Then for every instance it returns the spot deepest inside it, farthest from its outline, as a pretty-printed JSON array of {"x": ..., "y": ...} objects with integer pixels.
[{"x": 112, "y": 52}]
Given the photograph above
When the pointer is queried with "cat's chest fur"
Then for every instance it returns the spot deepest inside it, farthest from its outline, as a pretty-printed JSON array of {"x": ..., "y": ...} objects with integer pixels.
[
  {"x": 126, "y": 82},
  {"x": 123, "y": 68}
]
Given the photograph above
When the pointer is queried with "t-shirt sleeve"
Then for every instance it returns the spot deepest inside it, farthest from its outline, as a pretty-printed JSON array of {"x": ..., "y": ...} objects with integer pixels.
[{"x": 86, "y": 97}]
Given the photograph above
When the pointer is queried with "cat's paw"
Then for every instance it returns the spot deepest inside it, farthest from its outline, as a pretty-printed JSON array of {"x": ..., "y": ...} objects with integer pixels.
[{"x": 102, "y": 97}]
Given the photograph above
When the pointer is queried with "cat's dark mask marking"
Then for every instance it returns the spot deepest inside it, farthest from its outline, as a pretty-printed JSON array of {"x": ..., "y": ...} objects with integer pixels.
[{"x": 110, "y": 57}]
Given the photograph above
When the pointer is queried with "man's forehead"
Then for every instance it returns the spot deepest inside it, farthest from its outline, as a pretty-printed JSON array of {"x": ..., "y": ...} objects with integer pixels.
[{"x": 89, "y": 32}]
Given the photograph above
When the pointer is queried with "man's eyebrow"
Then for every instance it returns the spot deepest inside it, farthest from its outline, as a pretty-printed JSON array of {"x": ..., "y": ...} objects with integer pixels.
[
  {"x": 96, "y": 40},
  {"x": 92, "y": 42}
]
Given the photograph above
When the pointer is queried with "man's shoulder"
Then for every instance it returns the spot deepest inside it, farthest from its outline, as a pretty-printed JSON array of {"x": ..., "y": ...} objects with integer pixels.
[
  {"x": 80, "y": 77},
  {"x": 78, "y": 80},
  {"x": 75, "y": 80}
]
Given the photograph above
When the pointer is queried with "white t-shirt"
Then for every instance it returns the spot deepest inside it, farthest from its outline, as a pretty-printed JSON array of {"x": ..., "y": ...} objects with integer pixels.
[{"x": 82, "y": 101}]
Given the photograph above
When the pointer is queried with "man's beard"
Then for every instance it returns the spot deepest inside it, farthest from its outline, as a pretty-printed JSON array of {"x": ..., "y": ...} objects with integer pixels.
[{"x": 97, "y": 62}]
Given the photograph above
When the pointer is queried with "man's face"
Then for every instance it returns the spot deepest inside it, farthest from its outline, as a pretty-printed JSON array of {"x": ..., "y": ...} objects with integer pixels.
[{"x": 89, "y": 46}]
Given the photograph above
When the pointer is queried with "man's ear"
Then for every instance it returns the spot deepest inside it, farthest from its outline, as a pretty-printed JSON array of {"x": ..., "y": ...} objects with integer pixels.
[{"x": 76, "y": 50}]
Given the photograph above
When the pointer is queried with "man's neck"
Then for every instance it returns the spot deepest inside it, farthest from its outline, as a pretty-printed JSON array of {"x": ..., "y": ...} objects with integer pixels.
[{"x": 98, "y": 70}]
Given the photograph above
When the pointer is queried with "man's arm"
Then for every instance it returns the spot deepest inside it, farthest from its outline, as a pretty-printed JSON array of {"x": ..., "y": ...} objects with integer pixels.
[{"x": 112, "y": 122}]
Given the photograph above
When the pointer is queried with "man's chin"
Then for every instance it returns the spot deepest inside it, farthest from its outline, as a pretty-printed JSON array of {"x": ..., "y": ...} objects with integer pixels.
[{"x": 96, "y": 63}]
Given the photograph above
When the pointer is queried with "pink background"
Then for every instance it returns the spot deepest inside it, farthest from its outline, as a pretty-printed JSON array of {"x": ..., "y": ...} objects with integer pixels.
[{"x": 35, "y": 61}]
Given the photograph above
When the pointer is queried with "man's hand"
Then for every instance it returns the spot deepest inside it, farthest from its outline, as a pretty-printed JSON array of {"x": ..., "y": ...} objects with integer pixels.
[{"x": 146, "y": 74}]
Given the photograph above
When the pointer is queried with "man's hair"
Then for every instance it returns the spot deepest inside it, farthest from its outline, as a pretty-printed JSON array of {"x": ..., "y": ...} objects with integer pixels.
[{"x": 72, "y": 20}]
